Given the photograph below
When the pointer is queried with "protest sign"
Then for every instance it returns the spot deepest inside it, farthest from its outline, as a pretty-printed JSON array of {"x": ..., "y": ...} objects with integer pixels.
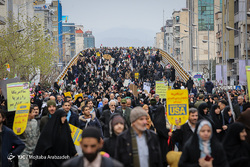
[
  {"x": 76, "y": 134},
  {"x": 67, "y": 94},
  {"x": 17, "y": 93},
  {"x": 134, "y": 89},
  {"x": 126, "y": 82},
  {"x": 21, "y": 118},
  {"x": 78, "y": 95},
  {"x": 160, "y": 89},
  {"x": 177, "y": 106},
  {"x": 137, "y": 75},
  {"x": 107, "y": 56},
  {"x": 146, "y": 86}
]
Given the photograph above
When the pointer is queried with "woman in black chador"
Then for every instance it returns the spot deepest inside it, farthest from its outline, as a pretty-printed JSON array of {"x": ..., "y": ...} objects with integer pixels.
[
  {"x": 55, "y": 142},
  {"x": 236, "y": 147}
]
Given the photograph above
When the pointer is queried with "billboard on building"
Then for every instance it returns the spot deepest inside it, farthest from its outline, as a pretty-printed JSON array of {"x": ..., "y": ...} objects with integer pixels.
[{"x": 65, "y": 19}]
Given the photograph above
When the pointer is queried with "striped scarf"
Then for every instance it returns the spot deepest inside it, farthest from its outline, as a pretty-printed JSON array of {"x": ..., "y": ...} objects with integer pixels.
[{"x": 136, "y": 160}]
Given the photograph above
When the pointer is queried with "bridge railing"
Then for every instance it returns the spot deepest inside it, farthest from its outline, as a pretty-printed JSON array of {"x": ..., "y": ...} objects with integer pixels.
[
  {"x": 166, "y": 57},
  {"x": 69, "y": 65}
]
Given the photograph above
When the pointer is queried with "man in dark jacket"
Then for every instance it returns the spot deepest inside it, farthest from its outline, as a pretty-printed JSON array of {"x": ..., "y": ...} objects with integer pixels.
[
  {"x": 106, "y": 117},
  {"x": 189, "y": 84},
  {"x": 7, "y": 140},
  {"x": 238, "y": 108},
  {"x": 72, "y": 117},
  {"x": 88, "y": 119},
  {"x": 209, "y": 86},
  {"x": 125, "y": 111},
  {"x": 91, "y": 143},
  {"x": 183, "y": 133},
  {"x": 138, "y": 146}
]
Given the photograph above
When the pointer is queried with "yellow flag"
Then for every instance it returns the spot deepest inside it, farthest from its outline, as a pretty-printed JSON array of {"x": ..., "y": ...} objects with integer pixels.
[{"x": 76, "y": 134}]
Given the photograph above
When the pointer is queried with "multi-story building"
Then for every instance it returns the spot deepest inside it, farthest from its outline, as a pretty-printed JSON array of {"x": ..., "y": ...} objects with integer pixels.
[
  {"x": 168, "y": 38},
  {"x": 79, "y": 38},
  {"x": 89, "y": 40},
  {"x": 56, "y": 6},
  {"x": 2, "y": 12},
  {"x": 203, "y": 34},
  {"x": 180, "y": 37},
  {"x": 159, "y": 40},
  {"x": 44, "y": 14},
  {"x": 69, "y": 47}
]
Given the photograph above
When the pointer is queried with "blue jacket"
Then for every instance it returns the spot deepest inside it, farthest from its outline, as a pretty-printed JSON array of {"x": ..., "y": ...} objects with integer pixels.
[{"x": 9, "y": 139}]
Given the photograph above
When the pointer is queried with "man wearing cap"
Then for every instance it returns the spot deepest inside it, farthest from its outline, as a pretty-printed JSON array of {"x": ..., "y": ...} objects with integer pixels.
[
  {"x": 51, "y": 104},
  {"x": 197, "y": 103},
  {"x": 91, "y": 143},
  {"x": 137, "y": 146},
  {"x": 125, "y": 111}
]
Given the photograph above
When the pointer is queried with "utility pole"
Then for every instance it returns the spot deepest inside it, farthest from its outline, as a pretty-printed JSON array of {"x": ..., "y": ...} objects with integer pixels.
[
  {"x": 190, "y": 34},
  {"x": 208, "y": 28}
]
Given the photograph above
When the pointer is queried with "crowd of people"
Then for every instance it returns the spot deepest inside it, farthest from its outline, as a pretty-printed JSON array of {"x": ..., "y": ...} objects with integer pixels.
[{"x": 122, "y": 127}]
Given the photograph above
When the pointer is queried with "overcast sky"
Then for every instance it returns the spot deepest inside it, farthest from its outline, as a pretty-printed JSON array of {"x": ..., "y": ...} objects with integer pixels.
[{"x": 120, "y": 22}]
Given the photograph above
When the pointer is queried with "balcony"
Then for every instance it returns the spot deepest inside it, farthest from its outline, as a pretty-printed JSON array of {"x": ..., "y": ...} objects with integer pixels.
[
  {"x": 2, "y": 21},
  {"x": 2, "y": 2},
  {"x": 219, "y": 54},
  {"x": 248, "y": 46},
  {"x": 218, "y": 34}
]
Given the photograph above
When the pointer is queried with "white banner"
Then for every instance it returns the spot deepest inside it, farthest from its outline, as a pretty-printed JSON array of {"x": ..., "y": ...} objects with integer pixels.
[
  {"x": 146, "y": 86},
  {"x": 242, "y": 73},
  {"x": 218, "y": 75}
]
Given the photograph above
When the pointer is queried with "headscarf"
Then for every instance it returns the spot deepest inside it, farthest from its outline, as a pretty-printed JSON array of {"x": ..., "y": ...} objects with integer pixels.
[
  {"x": 55, "y": 139},
  {"x": 228, "y": 119},
  {"x": 205, "y": 146},
  {"x": 235, "y": 148},
  {"x": 217, "y": 118}
]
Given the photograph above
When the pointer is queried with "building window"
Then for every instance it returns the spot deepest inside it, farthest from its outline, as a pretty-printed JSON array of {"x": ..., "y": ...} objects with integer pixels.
[
  {"x": 236, "y": 25},
  {"x": 206, "y": 15},
  {"x": 236, "y": 6},
  {"x": 236, "y": 51},
  {"x": 54, "y": 18}
]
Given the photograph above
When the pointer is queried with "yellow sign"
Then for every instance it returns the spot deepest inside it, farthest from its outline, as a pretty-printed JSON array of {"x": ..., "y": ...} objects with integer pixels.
[
  {"x": 67, "y": 94},
  {"x": 98, "y": 54},
  {"x": 17, "y": 93},
  {"x": 160, "y": 89},
  {"x": 107, "y": 56},
  {"x": 78, "y": 95},
  {"x": 248, "y": 79},
  {"x": 76, "y": 134},
  {"x": 21, "y": 118},
  {"x": 177, "y": 106},
  {"x": 130, "y": 48},
  {"x": 137, "y": 75}
]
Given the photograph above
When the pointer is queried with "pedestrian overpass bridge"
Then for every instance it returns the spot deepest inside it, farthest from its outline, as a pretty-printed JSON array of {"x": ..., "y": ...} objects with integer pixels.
[{"x": 166, "y": 59}]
